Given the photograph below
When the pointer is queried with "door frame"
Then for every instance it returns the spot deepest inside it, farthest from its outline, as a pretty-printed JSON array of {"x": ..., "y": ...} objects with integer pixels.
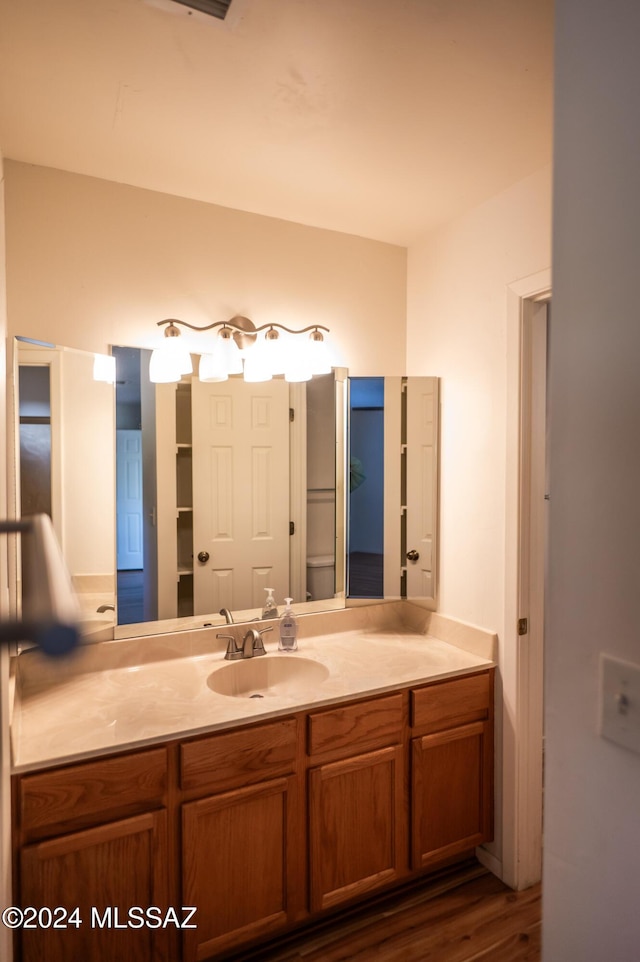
[{"x": 520, "y": 864}]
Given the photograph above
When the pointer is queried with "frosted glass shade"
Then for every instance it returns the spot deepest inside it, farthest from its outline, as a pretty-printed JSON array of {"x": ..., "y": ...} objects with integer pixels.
[
  {"x": 318, "y": 356},
  {"x": 298, "y": 369},
  {"x": 169, "y": 362},
  {"x": 256, "y": 366},
  {"x": 212, "y": 368}
]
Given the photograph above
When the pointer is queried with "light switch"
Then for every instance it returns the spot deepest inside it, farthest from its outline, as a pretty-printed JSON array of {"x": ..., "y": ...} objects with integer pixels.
[{"x": 620, "y": 702}]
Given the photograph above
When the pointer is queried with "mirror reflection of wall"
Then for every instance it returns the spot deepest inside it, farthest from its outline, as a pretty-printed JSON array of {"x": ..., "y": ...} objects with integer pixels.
[{"x": 366, "y": 487}]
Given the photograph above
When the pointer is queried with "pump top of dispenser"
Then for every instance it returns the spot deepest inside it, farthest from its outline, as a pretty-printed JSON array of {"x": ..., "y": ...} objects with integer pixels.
[{"x": 269, "y": 610}]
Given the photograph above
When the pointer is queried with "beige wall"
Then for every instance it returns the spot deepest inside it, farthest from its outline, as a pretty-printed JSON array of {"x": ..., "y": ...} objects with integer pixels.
[
  {"x": 92, "y": 263},
  {"x": 461, "y": 327},
  {"x": 457, "y": 329},
  {"x": 592, "y": 795}
]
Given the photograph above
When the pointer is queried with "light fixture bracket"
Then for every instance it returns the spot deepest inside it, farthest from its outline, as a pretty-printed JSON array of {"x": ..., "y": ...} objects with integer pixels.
[
  {"x": 245, "y": 334},
  {"x": 242, "y": 326}
]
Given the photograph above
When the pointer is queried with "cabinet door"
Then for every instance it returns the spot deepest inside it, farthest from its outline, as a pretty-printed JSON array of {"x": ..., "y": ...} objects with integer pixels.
[
  {"x": 103, "y": 872},
  {"x": 356, "y": 826},
  {"x": 240, "y": 865},
  {"x": 451, "y": 792}
]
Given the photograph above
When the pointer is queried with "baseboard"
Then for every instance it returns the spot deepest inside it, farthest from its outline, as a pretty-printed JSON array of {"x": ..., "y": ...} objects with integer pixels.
[{"x": 490, "y": 862}]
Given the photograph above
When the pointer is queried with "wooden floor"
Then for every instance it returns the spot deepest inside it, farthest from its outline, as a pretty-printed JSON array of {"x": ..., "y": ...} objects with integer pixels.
[
  {"x": 130, "y": 597},
  {"x": 366, "y": 575},
  {"x": 467, "y": 916}
]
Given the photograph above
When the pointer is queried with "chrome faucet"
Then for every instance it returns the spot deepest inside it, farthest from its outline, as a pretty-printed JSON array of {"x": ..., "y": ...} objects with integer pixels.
[
  {"x": 252, "y": 645},
  {"x": 228, "y": 617}
]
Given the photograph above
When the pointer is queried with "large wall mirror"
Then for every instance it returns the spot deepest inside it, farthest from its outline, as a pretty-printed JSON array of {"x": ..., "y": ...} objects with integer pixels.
[
  {"x": 185, "y": 498},
  {"x": 175, "y": 501}
]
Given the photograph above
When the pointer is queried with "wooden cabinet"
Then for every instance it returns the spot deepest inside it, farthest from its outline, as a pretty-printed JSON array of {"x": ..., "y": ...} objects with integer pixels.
[
  {"x": 102, "y": 871},
  {"x": 356, "y": 826},
  {"x": 258, "y": 827},
  {"x": 76, "y": 796},
  {"x": 451, "y": 769},
  {"x": 242, "y": 847},
  {"x": 239, "y": 865},
  {"x": 241, "y": 757},
  {"x": 357, "y": 817}
]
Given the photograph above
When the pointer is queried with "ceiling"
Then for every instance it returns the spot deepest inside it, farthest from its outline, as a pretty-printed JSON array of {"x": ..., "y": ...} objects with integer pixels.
[{"x": 382, "y": 118}]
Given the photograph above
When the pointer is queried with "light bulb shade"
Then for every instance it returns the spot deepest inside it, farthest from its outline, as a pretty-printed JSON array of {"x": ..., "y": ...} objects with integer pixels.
[
  {"x": 317, "y": 353},
  {"x": 298, "y": 368},
  {"x": 256, "y": 363},
  {"x": 231, "y": 354},
  {"x": 212, "y": 368},
  {"x": 162, "y": 368},
  {"x": 274, "y": 350},
  {"x": 169, "y": 361}
]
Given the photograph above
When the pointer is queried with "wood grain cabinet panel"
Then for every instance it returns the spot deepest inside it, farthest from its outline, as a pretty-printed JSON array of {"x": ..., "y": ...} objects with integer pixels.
[
  {"x": 79, "y": 795},
  {"x": 240, "y": 859},
  {"x": 233, "y": 759},
  {"x": 366, "y": 724},
  {"x": 356, "y": 826},
  {"x": 111, "y": 868},
  {"x": 447, "y": 704},
  {"x": 451, "y": 792}
]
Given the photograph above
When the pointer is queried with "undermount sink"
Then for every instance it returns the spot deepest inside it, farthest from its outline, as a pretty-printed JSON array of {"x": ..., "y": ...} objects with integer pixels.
[{"x": 267, "y": 676}]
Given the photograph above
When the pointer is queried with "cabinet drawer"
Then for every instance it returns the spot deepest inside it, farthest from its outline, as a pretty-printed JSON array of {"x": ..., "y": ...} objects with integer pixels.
[
  {"x": 92, "y": 792},
  {"x": 450, "y": 703},
  {"x": 237, "y": 758},
  {"x": 368, "y": 724}
]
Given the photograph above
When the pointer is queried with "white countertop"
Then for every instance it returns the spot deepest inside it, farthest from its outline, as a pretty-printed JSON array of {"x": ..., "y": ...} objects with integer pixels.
[{"x": 62, "y": 715}]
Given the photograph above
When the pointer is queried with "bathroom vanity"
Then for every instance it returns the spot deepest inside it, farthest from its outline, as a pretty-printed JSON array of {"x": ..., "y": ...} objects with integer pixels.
[{"x": 268, "y": 813}]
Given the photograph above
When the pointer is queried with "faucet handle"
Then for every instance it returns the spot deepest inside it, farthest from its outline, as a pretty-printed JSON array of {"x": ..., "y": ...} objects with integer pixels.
[
  {"x": 233, "y": 652},
  {"x": 258, "y": 644}
]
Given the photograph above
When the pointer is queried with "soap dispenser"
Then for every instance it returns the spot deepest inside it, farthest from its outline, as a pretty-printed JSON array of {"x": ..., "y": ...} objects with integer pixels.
[
  {"x": 269, "y": 610},
  {"x": 288, "y": 628}
]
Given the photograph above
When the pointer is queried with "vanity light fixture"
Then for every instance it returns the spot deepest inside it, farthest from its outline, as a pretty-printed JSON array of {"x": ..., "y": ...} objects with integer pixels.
[{"x": 240, "y": 347}]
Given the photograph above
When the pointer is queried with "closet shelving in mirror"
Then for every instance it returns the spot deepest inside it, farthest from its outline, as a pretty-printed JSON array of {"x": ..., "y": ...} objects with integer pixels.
[{"x": 184, "y": 497}]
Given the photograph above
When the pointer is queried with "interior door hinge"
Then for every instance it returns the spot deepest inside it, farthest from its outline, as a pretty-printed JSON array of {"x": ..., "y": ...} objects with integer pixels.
[
  {"x": 292, "y": 414},
  {"x": 523, "y": 626},
  {"x": 292, "y": 527}
]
